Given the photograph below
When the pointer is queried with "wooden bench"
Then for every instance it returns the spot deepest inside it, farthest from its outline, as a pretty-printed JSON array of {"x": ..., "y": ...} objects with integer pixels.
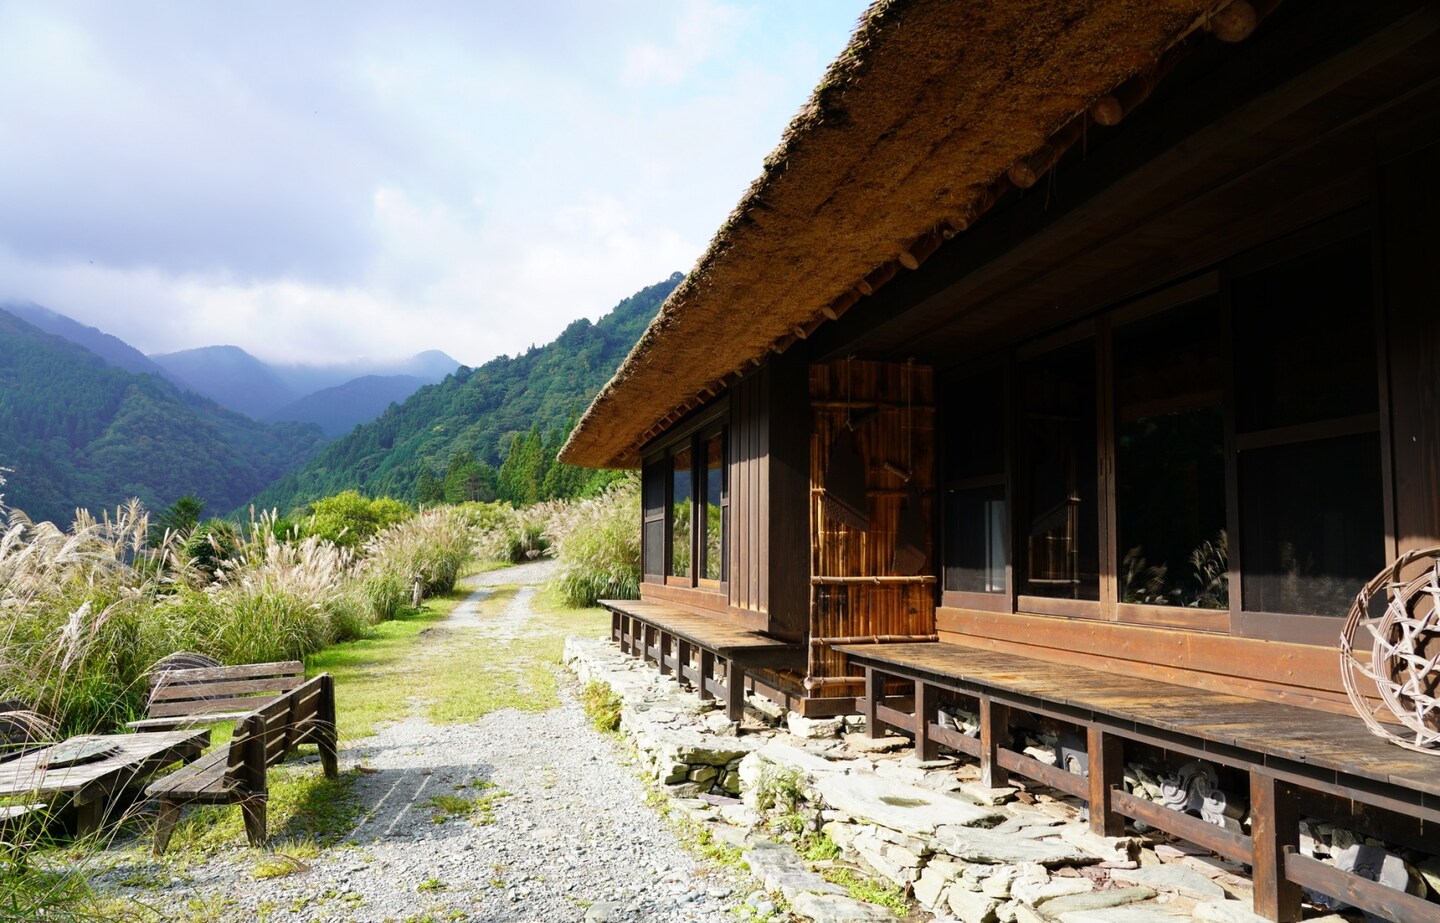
[
  {"x": 236, "y": 773},
  {"x": 708, "y": 652},
  {"x": 1293, "y": 757},
  {"x": 214, "y": 695}
]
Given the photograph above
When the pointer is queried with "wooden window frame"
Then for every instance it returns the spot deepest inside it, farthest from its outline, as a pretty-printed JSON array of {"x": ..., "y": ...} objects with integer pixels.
[
  {"x": 713, "y": 422},
  {"x": 1295, "y": 627},
  {"x": 653, "y": 464}
]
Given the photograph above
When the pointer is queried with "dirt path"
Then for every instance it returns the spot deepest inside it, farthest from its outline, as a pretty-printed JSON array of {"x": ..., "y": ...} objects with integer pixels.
[{"x": 513, "y": 817}]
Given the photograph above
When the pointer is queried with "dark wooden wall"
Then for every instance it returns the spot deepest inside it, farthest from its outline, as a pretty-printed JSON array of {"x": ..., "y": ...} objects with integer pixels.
[
  {"x": 768, "y": 553},
  {"x": 1409, "y": 208}
]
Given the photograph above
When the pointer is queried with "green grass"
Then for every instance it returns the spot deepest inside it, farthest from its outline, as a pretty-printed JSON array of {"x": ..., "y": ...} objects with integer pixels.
[
  {"x": 456, "y": 672},
  {"x": 871, "y": 890},
  {"x": 305, "y": 811}
]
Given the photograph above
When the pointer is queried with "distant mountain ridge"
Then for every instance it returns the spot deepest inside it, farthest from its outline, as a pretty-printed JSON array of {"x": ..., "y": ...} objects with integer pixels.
[
  {"x": 475, "y": 413},
  {"x": 339, "y": 409},
  {"x": 77, "y": 430},
  {"x": 110, "y": 348},
  {"x": 234, "y": 378}
]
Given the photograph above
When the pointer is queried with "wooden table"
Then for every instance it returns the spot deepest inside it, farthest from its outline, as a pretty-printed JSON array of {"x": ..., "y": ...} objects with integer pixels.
[{"x": 92, "y": 785}]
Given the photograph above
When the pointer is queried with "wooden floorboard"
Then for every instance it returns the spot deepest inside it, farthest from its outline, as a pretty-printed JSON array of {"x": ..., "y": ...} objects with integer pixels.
[
  {"x": 1287, "y": 732},
  {"x": 712, "y": 632}
]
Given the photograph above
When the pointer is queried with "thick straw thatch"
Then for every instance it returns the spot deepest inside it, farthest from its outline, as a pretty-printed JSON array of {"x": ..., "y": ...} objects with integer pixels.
[{"x": 932, "y": 103}]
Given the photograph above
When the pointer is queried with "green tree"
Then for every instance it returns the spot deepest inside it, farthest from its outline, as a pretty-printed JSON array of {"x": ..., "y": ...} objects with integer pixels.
[
  {"x": 349, "y": 518},
  {"x": 181, "y": 516},
  {"x": 429, "y": 490}
]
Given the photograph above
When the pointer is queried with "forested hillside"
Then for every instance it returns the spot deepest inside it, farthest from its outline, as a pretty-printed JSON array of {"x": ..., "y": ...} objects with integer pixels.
[
  {"x": 77, "y": 431},
  {"x": 451, "y": 440}
]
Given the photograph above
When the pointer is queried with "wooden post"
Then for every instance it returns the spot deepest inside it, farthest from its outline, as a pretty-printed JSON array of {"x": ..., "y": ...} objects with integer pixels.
[
  {"x": 994, "y": 734},
  {"x": 682, "y": 660},
  {"x": 925, "y": 697},
  {"x": 326, "y": 735},
  {"x": 1274, "y": 825},
  {"x": 615, "y": 628},
  {"x": 874, "y": 692},
  {"x": 664, "y": 642},
  {"x": 707, "y": 668},
  {"x": 734, "y": 690},
  {"x": 645, "y": 634},
  {"x": 1107, "y": 770}
]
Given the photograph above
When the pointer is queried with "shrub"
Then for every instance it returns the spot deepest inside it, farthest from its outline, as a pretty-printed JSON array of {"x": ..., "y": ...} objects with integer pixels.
[
  {"x": 598, "y": 544},
  {"x": 602, "y": 705},
  {"x": 430, "y": 549},
  {"x": 350, "y": 520}
]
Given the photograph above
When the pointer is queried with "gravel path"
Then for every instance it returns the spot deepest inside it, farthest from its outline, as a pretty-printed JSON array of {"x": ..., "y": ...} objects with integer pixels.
[{"x": 570, "y": 838}]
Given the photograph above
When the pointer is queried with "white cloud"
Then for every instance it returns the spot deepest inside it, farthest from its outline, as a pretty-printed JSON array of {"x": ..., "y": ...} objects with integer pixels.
[{"x": 307, "y": 185}]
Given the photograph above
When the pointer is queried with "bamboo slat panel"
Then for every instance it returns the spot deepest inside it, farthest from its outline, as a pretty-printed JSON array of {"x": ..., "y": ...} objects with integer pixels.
[{"x": 891, "y": 407}]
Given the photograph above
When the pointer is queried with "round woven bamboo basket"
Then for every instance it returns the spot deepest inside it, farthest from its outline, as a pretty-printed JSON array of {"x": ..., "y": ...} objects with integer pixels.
[{"x": 1404, "y": 642}]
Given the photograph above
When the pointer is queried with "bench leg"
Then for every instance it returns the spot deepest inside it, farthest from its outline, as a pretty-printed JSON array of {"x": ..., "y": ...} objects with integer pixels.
[
  {"x": 735, "y": 690},
  {"x": 1275, "y": 824},
  {"x": 165, "y": 824},
  {"x": 707, "y": 670},
  {"x": 994, "y": 734},
  {"x": 1106, "y": 773},
  {"x": 253, "y": 809},
  {"x": 925, "y": 747},
  {"x": 874, "y": 692}
]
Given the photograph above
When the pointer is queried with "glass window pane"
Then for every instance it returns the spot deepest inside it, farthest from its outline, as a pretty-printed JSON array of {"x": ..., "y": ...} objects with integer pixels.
[
  {"x": 1312, "y": 524},
  {"x": 1058, "y": 443},
  {"x": 655, "y": 490},
  {"x": 1170, "y": 459},
  {"x": 975, "y": 427},
  {"x": 714, "y": 508},
  {"x": 655, "y": 547},
  {"x": 1305, "y": 339},
  {"x": 976, "y": 549},
  {"x": 680, "y": 494}
]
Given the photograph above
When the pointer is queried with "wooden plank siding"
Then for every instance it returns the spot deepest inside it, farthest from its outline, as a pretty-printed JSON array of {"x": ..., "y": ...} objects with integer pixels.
[{"x": 897, "y": 402}]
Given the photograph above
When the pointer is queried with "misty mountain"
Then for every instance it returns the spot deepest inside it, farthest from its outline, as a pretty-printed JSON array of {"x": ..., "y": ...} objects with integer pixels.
[
  {"x": 340, "y": 409},
  {"x": 430, "y": 366},
  {"x": 475, "y": 415},
  {"x": 110, "y": 348},
  {"x": 78, "y": 431},
  {"x": 229, "y": 376}
]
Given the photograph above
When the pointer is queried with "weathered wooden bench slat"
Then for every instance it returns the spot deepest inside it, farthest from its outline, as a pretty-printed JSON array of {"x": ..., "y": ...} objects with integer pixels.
[
  {"x": 238, "y": 671},
  {"x": 210, "y": 695},
  {"x": 242, "y": 705},
  {"x": 173, "y": 691}
]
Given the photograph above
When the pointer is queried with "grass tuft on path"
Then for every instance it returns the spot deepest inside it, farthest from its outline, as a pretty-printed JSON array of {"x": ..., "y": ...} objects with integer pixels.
[{"x": 457, "y": 672}]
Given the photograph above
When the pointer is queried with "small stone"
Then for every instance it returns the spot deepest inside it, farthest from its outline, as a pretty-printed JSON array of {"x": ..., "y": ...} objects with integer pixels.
[
  {"x": 1226, "y": 912},
  {"x": 971, "y": 907},
  {"x": 603, "y": 911},
  {"x": 1107, "y": 848},
  {"x": 864, "y": 744},
  {"x": 978, "y": 845},
  {"x": 987, "y": 795},
  {"x": 704, "y": 774},
  {"x": 1177, "y": 878},
  {"x": 930, "y": 888},
  {"x": 813, "y": 728},
  {"x": 1096, "y": 900},
  {"x": 833, "y": 908},
  {"x": 1037, "y": 893}
]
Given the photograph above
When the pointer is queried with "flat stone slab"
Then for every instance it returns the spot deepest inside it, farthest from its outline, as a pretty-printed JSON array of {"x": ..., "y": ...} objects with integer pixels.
[
  {"x": 1227, "y": 912},
  {"x": 792, "y": 757},
  {"x": 900, "y": 806},
  {"x": 1096, "y": 900},
  {"x": 863, "y": 743},
  {"x": 780, "y": 871},
  {"x": 832, "y": 908},
  {"x": 1173, "y": 877},
  {"x": 694, "y": 746},
  {"x": 1135, "y": 913},
  {"x": 987, "y": 847}
]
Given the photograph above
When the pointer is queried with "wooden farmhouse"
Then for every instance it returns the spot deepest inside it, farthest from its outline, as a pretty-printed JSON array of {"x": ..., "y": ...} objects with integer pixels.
[{"x": 1072, "y": 364}]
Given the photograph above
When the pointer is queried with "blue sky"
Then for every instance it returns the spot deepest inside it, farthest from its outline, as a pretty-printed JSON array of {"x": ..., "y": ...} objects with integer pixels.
[{"x": 312, "y": 180}]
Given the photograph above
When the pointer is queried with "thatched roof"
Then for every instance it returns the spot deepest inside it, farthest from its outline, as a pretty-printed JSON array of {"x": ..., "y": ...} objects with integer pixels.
[{"x": 907, "y": 136}]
